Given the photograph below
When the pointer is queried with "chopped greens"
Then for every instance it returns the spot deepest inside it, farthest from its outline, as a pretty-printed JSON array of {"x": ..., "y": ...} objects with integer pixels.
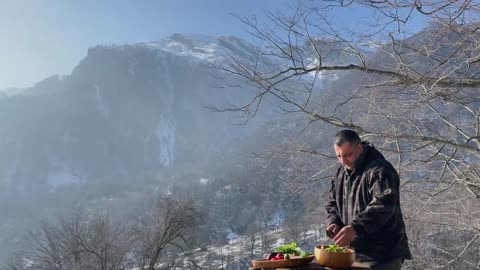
[
  {"x": 304, "y": 254},
  {"x": 335, "y": 248}
]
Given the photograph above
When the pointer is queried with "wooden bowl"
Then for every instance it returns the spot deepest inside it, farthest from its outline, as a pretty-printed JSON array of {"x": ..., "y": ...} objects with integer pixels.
[
  {"x": 294, "y": 261},
  {"x": 334, "y": 259}
]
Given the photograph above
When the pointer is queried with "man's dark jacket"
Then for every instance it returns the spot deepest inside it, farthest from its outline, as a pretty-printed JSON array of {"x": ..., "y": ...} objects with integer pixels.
[{"x": 368, "y": 199}]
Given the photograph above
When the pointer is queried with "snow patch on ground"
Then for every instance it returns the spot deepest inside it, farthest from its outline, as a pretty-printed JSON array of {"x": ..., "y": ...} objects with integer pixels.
[
  {"x": 232, "y": 237},
  {"x": 165, "y": 134},
  {"x": 100, "y": 103}
]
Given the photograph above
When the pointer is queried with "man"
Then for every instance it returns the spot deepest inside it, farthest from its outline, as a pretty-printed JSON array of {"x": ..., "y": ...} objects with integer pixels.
[{"x": 363, "y": 209}]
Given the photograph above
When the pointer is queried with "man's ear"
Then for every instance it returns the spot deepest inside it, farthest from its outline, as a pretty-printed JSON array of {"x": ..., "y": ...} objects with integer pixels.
[{"x": 360, "y": 147}]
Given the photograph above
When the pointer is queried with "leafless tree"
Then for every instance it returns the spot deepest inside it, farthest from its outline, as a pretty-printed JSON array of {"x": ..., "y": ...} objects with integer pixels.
[
  {"x": 77, "y": 241},
  {"x": 159, "y": 239},
  {"x": 414, "y": 93},
  {"x": 163, "y": 237}
]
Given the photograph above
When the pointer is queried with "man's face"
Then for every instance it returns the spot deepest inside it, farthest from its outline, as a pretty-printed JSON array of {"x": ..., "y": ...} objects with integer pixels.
[{"x": 348, "y": 153}]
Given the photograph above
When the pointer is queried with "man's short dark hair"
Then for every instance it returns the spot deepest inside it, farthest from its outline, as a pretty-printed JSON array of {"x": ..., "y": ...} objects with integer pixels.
[{"x": 347, "y": 135}]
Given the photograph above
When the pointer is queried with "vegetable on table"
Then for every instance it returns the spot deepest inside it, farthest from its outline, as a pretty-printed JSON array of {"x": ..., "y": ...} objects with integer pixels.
[{"x": 284, "y": 252}]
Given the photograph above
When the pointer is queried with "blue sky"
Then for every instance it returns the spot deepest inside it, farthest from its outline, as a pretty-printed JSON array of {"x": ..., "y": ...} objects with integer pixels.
[
  {"x": 46, "y": 37},
  {"x": 41, "y": 38}
]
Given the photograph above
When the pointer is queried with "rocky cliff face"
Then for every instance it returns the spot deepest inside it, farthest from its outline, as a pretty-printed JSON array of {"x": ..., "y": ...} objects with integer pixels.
[{"x": 123, "y": 110}]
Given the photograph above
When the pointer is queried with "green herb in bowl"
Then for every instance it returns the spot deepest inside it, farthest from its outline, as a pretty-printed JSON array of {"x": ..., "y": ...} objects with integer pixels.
[{"x": 335, "y": 248}]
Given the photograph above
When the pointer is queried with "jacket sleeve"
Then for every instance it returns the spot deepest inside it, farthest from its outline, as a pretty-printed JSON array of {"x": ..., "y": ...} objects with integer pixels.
[
  {"x": 383, "y": 188},
  {"x": 333, "y": 215}
]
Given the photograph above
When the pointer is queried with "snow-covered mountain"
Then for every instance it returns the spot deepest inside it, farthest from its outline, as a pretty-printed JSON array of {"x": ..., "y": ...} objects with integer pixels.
[
  {"x": 126, "y": 112},
  {"x": 201, "y": 47}
]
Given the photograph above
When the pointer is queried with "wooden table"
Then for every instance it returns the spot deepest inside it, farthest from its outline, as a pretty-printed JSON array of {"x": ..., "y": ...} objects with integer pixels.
[{"x": 316, "y": 266}]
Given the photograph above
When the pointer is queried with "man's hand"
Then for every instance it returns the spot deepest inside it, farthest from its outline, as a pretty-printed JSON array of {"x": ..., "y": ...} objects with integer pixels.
[
  {"x": 345, "y": 236},
  {"x": 332, "y": 230}
]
